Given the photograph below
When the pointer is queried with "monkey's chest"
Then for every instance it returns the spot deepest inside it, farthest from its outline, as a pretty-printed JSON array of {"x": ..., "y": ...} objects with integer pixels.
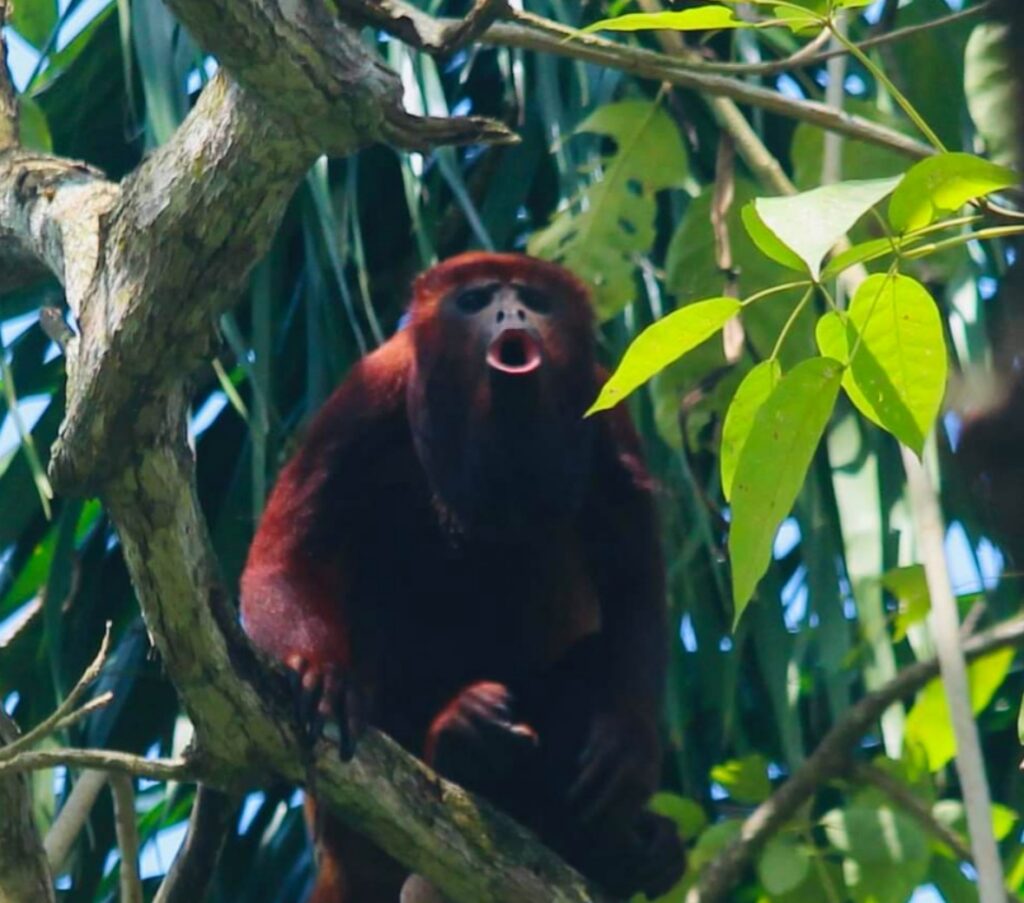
[{"x": 434, "y": 611}]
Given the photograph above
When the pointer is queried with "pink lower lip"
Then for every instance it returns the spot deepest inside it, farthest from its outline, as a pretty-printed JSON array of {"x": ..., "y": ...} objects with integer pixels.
[{"x": 514, "y": 351}]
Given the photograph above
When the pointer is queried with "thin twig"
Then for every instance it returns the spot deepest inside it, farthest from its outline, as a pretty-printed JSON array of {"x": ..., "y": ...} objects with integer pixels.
[
  {"x": 900, "y": 794},
  {"x": 127, "y": 837},
  {"x": 830, "y": 759},
  {"x": 65, "y": 713},
  {"x": 103, "y": 760},
  {"x": 72, "y": 816}
]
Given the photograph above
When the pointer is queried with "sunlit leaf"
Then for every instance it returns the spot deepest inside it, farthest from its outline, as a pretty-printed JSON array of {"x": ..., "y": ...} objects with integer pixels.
[
  {"x": 700, "y": 18},
  {"x": 943, "y": 184},
  {"x": 909, "y": 586},
  {"x": 897, "y": 372},
  {"x": 746, "y": 779},
  {"x": 663, "y": 342},
  {"x": 768, "y": 242},
  {"x": 757, "y": 385},
  {"x": 810, "y": 223},
  {"x": 772, "y": 467}
]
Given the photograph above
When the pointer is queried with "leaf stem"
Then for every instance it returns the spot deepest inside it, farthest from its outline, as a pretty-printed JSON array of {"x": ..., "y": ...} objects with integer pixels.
[
  {"x": 887, "y": 83},
  {"x": 789, "y": 323},
  {"x": 775, "y": 290}
]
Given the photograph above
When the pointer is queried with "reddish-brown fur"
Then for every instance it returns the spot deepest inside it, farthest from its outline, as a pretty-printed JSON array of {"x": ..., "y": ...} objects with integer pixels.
[{"x": 482, "y": 565}]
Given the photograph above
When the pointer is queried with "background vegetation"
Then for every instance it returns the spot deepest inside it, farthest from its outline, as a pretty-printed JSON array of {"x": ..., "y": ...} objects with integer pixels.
[{"x": 617, "y": 175}]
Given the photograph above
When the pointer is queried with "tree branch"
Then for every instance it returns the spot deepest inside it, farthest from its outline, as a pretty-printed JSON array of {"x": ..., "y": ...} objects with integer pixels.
[
  {"x": 830, "y": 759},
  {"x": 24, "y": 874},
  {"x": 533, "y": 32},
  {"x": 127, "y": 837}
]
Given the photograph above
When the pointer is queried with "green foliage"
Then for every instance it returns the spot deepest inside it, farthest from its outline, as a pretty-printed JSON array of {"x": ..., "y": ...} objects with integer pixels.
[{"x": 601, "y": 234}]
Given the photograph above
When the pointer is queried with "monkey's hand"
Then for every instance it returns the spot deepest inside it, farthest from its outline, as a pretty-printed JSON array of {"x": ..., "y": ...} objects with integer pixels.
[
  {"x": 327, "y": 691},
  {"x": 475, "y": 740},
  {"x": 618, "y": 768}
]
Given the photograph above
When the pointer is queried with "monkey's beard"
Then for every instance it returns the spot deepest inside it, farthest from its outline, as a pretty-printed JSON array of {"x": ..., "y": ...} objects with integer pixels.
[{"x": 513, "y": 465}]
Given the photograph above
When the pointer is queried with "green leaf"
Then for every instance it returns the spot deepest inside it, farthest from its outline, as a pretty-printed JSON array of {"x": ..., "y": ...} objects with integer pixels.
[
  {"x": 989, "y": 88},
  {"x": 861, "y": 253},
  {"x": 928, "y": 722},
  {"x": 35, "y": 19},
  {"x": 875, "y": 835},
  {"x": 688, "y": 815},
  {"x": 897, "y": 372},
  {"x": 852, "y": 4},
  {"x": 757, "y": 385},
  {"x": 951, "y": 814},
  {"x": 773, "y": 464},
  {"x": 611, "y": 224},
  {"x": 700, "y": 18},
  {"x": 663, "y": 342},
  {"x": 34, "y": 130},
  {"x": 810, "y": 223},
  {"x": 768, "y": 241},
  {"x": 783, "y": 865},
  {"x": 943, "y": 184},
  {"x": 909, "y": 586},
  {"x": 745, "y": 779}
]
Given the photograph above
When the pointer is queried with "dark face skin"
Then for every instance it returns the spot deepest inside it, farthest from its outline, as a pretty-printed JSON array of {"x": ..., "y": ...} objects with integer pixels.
[{"x": 510, "y": 321}]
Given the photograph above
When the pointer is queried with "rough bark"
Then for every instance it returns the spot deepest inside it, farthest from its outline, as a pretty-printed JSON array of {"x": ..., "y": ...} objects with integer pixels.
[{"x": 24, "y": 874}]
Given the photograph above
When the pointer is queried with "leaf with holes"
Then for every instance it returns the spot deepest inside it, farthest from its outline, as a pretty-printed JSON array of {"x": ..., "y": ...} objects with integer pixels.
[{"x": 611, "y": 224}]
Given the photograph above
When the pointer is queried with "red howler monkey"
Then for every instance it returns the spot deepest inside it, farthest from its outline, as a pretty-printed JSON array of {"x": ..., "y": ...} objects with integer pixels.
[{"x": 456, "y": 556}]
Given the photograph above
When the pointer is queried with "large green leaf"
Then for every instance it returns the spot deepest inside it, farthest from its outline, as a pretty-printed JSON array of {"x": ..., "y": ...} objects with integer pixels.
[
  {"x": 772, "y": 467},
  {"x": 663, "y": 342},
  {"x": 753, "y": 392},
  {"x": 746, "y": 779},
  {"x": 810, "y": 223},
  {"x": 895, "y": 345},
  {"x": 943, "y": 184},
  {"x": 600, "y": 236},
  {"x": 35, "y": 19}
]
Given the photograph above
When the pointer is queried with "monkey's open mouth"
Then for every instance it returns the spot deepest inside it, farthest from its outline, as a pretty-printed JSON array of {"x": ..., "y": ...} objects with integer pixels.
[{"x": 514, "y": 351}]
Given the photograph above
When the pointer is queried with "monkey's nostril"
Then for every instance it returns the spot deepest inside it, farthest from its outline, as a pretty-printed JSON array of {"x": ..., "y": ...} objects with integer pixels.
[
  {"x": 521, "y": 313},
  {"x": 501, "y": 315}
]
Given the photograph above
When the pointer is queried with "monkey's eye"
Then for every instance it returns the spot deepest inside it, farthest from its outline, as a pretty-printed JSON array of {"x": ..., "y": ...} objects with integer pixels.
[
  {"x": 535, "y": 299},
  {"x": 474, "y": 299}
]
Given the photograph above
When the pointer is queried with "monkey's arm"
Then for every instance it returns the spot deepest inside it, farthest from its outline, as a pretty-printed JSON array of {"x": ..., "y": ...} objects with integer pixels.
[{"x": 294, "y": 583}]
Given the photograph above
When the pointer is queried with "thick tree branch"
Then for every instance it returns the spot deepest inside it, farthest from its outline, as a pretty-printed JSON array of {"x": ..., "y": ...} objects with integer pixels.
[
  {"x": 24, "y": 874},
  {"x": 830, "y": 759}
]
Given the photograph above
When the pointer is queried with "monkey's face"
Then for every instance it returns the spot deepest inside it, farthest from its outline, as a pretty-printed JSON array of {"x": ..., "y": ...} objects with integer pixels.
[{"x": 504, "y": 370}]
